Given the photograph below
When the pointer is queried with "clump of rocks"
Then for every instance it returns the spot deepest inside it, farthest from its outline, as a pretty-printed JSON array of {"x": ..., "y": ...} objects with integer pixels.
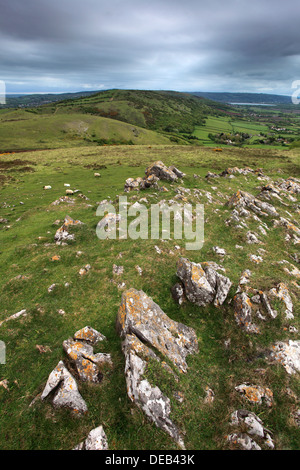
[
  {"x": 201, "y": 283},
  {"x": 250, "y": 433},
  {"x": 61, "y": 386},
  {"x": 63, "y": 235},
  {"x": 154, "y": 173}
]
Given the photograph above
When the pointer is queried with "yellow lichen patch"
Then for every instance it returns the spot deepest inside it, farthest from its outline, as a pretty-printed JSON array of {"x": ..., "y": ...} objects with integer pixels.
[{"x": 197, "y": 274}]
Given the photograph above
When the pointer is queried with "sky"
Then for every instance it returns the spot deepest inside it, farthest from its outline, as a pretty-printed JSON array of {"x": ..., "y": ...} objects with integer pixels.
[{"x": 57, "y": 46}]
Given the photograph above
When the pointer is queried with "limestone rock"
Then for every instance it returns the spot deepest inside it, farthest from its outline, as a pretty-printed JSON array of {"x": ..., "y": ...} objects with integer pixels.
[
  {"x": 139, "y": 315},
  {"x": 64, "y": 387},
  {"x": 244, "y": 199},
  {"x": 243, "y": 441},
  {"x": 202, "y": 283},
  {"x": 287, "y": 354},
  {"x": 282, "y": 293},
  {"x": 62, "y": 233},
  {"x": 89, "y": 335},
  {"x": 243, "y": 313},
  {"x": 253, "y": 425},
  {"x": 150, "y": 399},
  {"x": 162, "y": 172},
  {"x": 96, "y": 440},
  {"x": 256, "y": 394},
  {"x": 86, "y": 362}
]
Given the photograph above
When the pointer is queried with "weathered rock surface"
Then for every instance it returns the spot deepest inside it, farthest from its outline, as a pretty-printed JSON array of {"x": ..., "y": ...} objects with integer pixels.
[
  {"x": 136, "y": 184},
  {"x": 64, "y": 387},
  {"x": 96, "y": 440},
  {"x": 139, "y": 315},
  {"x": 244, "y": 199},
  {"x": 150, "y": 399},
  {"x": 86, "y": 362},
  {"x": 89, "y": 334},
  {"x": 62, "y": 234},
  {"x": 287, "y": 354},
  {"x": 162, "y": 172},
  {"x": 252, "y": 426},
  {"x": 282, "y": 293},
  {"x": 256, "y": 394},
  {"x": 139, "y": 321},
  {"x": 243, "y": 313},
  {"x": 202, "y": 283}
]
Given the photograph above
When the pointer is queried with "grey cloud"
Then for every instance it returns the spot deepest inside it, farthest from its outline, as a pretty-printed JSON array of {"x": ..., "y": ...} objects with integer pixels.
[{"x": 191, "y": 45}]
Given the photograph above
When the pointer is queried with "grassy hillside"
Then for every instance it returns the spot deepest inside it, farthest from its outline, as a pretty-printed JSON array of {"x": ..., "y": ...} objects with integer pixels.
[
  {"x": 114, "y": 116},
  {"x": 27, "y": 270}
]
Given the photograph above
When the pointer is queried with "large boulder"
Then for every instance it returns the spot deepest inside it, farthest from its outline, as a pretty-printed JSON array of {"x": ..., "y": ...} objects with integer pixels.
[
  {"x": 202, "y": 283},
  {"x": 162, "y": 172},
  {"x": 139, "y": 315}
]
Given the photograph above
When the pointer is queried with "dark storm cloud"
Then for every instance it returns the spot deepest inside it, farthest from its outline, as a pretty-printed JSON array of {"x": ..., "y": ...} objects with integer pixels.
[{"x": 163, "y": 44}]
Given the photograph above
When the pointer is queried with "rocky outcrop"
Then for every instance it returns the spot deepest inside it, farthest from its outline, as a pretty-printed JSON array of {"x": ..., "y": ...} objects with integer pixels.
[
  {"x": 62, "y": 234},
  {"x": 256, "y": 394},
  {"x": 61, "y": 386},
  {"x": 87, "y": 364},
  {"x": 143, "y": 325},
  {"x": 202, "y": 283},
  {"x": 250, "y": 432},
  {"x": 136, "y": 184},
  {"x": 139, "y": 315},
  {"x": 244, "y": 199},
  {"x": 150, "y": 399},
  {"x": 162, "y": 172}
]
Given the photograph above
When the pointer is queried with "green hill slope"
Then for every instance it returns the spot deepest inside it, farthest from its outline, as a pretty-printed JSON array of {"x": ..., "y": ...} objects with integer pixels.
[{"x": 108, "y": 117}]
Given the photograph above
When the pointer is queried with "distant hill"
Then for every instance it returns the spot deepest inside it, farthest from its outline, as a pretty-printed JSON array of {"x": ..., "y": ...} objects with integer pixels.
[
  {"x": 37, "y": 99},
  {"x": 106, "y": 117},
  {"x": 259, "y": 98}
]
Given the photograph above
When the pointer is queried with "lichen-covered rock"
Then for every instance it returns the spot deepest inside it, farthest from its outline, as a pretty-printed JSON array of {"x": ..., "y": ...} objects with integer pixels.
[
  {"x": 282, "y": 293},
  {"x": 89, "y": 334},
  {"x": 86, "y": 362},
  {"x": 139, "y": 315},
  {"x": 162, "y": 172},
  {"x": 256, "y": 394},
  {"x": 136, "y": 184},
  {"x": 253, "y": 425},
  {"x": 64, "y": 387},
  {"x": 202, "y": 283},
  {"x": 96, "y": 440},
  {"x": 287, "y": 354},
  {"x": 243, "y": 313},
  {"x": 244, "y": 199},
  {"x": 150, "y": 399},
  {"x": 62, "y": 234},
  {"x": 242, "y": 441}
]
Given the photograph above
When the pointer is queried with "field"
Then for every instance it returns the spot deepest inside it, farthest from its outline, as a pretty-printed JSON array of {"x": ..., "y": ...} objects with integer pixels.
[{"x": 30, "y": 262}]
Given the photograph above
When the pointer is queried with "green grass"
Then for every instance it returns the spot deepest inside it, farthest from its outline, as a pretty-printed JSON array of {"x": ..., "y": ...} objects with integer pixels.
[{"x": 94, "y": 299}]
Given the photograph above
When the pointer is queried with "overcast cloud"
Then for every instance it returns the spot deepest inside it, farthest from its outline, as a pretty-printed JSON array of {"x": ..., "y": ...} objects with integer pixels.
[{"x": 192, "y": 45}]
